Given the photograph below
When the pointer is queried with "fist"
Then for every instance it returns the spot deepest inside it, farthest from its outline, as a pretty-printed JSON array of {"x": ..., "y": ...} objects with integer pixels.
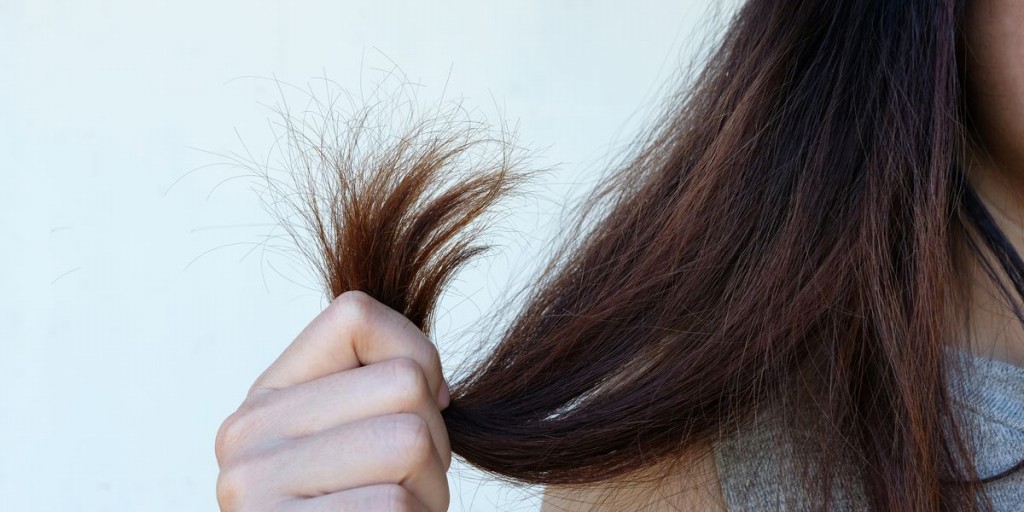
[{"x": 347, "y": 418}]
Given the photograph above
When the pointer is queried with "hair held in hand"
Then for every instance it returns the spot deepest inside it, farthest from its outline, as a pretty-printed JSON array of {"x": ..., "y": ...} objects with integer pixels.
[{"x": 787, "y": 234}]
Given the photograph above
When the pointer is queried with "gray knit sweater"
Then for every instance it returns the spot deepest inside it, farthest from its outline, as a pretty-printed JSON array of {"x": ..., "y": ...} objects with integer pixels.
[{"x": 757, "y": 469}]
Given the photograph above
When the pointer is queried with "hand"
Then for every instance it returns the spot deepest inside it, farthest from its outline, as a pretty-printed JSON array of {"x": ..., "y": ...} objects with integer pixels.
[{"x": 347, "y": 418}]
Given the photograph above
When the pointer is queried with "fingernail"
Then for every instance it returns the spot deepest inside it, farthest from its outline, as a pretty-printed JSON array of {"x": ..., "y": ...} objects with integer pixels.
[{"x": 444, "y": 395}]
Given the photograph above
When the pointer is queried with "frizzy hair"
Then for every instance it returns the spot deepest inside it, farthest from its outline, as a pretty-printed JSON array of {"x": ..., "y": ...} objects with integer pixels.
[{"x": 790, "y": 232}]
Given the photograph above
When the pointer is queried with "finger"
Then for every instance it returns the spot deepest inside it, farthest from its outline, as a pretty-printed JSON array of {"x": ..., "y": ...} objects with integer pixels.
[
  {"x": 390, "y": 387},
  {"x": 354, "y": 330},
  {"x": 394, "y": 449},
  {"x": 372, "y": 497}
]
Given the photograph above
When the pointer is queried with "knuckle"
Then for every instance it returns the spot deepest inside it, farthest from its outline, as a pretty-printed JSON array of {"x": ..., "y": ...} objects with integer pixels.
[
  {"x": 231, "y": 434},
  {"x": 432, "y": 356},
  {"x": 355, "y": 307},
  {"x": 240, "y": 427},
  {"x": 407, "y": 383},
  {"x": 411, "y": 440},
  {"x": 234, "y": 483}
]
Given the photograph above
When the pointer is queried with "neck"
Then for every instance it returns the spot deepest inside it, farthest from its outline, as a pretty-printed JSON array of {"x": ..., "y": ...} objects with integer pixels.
[{"x": 995, "y": 331}]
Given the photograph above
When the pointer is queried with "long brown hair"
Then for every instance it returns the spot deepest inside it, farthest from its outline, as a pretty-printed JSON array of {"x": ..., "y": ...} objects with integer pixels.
[{"x": 791, "y": 231}]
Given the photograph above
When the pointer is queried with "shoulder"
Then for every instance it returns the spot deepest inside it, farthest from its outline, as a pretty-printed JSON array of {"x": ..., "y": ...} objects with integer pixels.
[{"x": 690, "y": 483}]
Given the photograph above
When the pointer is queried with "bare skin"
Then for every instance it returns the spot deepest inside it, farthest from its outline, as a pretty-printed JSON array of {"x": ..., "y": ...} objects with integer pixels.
[
  {"x": 995, "y": 81},
  {"x": 693, "y": 485},
  {"x": 347, "y": 418},
  {"x": 995, "y": 331}
]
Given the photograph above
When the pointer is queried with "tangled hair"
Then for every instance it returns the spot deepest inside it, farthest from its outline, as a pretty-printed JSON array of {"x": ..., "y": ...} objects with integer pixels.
[{"x": 791, "y": 231}]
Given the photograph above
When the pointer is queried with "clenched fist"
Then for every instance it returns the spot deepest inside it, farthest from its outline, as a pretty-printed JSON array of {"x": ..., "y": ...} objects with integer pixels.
[{"x": 347, "y": 418}]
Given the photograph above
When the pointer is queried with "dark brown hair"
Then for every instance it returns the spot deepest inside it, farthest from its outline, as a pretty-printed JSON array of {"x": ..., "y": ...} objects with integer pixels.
[{"x": 792, "y": 231}]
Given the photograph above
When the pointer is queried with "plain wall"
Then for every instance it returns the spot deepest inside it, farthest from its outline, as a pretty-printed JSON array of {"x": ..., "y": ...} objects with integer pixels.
[{"x": 144, "y": 287}]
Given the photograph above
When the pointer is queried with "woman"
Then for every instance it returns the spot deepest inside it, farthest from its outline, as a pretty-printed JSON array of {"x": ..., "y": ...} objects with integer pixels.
[{"x": 801, "y": 292}]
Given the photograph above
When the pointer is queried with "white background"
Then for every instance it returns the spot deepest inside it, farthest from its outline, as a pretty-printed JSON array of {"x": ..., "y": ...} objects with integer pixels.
[{"x": 139, "y": 293}]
